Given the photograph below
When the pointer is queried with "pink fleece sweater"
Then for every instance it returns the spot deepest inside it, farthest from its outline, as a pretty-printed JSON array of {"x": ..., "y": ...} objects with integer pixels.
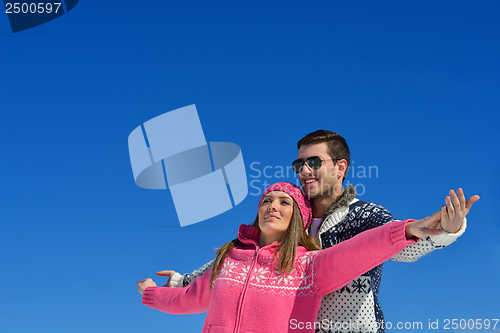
[{"x": 250, "y": 295}]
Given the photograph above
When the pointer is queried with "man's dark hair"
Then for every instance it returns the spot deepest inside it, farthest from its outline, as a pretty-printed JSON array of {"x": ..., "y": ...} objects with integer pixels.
[{"x": 336, "y": 145}]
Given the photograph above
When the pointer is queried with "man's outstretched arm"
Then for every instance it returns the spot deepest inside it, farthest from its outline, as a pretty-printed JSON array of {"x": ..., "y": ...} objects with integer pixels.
[
  {"x": 177, "y": 280},
  {"x": 453, "y": 222}
]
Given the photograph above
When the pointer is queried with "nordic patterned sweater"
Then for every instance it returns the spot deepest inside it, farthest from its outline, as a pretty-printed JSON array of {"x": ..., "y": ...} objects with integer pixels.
[
  {"x": 250, "y": 294},
  {"x": 357, "y": 301}
]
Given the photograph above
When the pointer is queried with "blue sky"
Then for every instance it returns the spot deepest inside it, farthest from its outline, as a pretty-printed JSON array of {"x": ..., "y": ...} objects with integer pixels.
[{"x": 412, "y": 86}]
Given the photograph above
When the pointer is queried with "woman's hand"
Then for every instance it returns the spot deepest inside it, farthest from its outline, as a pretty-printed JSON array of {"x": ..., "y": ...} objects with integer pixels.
[
  {"x": 425, "y": 227},
  {"x": 143, "y": 284}
]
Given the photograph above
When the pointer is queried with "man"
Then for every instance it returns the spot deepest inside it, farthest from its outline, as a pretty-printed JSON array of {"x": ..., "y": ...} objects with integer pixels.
[{"x": 322, "y": 165}]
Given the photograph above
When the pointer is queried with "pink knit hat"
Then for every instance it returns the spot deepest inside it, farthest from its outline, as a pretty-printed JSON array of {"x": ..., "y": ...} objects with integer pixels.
[{"x": 296, "y": 193}]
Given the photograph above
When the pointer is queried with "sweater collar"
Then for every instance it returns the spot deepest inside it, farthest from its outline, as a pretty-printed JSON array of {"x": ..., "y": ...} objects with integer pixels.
[
  {"x": 248, "y": 234},
  {"x": 337, "y": 210},
  {"x": 343, "y": 200}
]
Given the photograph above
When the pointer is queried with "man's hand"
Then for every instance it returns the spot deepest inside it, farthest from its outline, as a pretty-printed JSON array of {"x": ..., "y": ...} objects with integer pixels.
[
  {"x": 166, "y": 273},
  {"x": 143, "y": 284},
  {"x": 452, "y": 215}
]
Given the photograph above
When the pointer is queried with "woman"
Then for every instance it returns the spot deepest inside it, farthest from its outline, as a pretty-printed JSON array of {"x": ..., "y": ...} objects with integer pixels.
[{"x": 271, "y": 279}]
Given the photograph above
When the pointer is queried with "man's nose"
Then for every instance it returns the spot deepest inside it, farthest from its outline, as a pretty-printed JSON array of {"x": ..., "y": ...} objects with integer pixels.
[{"x": 306, "y": 170}]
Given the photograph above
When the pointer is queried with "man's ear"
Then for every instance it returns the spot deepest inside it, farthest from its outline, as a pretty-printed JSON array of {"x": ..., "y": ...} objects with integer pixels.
[{"x": 342, "y": 168}]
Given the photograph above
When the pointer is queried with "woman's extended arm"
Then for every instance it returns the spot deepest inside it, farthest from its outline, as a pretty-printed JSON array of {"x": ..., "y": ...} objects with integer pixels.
[
  {"x": 338, "y": 265},
  {"x": 191, "y": 299}
]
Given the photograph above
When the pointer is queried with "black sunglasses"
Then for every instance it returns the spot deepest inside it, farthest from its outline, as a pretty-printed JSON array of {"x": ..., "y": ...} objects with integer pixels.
[{"x": 314, "y": 162}]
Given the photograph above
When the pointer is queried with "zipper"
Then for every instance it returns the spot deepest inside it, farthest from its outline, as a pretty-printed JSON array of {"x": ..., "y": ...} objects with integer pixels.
[{"x": 244, "y": 292}]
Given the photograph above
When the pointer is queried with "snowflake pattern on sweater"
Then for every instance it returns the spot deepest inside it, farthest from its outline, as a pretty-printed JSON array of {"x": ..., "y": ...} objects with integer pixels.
[
  {"x": 266, "y": 278},
  {"x": 356, "y": 302}
]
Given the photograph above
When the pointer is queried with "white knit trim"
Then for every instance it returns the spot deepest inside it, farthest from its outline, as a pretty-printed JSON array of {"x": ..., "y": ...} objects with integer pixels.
[
  {"x": 335, "y": 218},
  {"x": 447, "y": 238},
  {"x": 175, "y": 281}
]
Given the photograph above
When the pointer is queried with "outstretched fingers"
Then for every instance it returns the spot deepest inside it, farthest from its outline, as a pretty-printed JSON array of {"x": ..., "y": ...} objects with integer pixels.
[
  {"x": 470, "y": 202},
  {"x": 465, "y": 206},
  {"x": 451, "y": 203},
  {"x": 461, "y": 198},
  {"x": 166, "y": 273},
  {"x": 457, "y": 208}
]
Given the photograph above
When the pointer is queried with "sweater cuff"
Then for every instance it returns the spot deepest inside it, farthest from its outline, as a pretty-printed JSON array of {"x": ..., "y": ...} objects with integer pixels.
[
  {"x": 148, "y": 297},
  {"x": 447, "y": 238},
  {"x": 398, "y": 234},
  {"x": 175, "y": 281}
]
